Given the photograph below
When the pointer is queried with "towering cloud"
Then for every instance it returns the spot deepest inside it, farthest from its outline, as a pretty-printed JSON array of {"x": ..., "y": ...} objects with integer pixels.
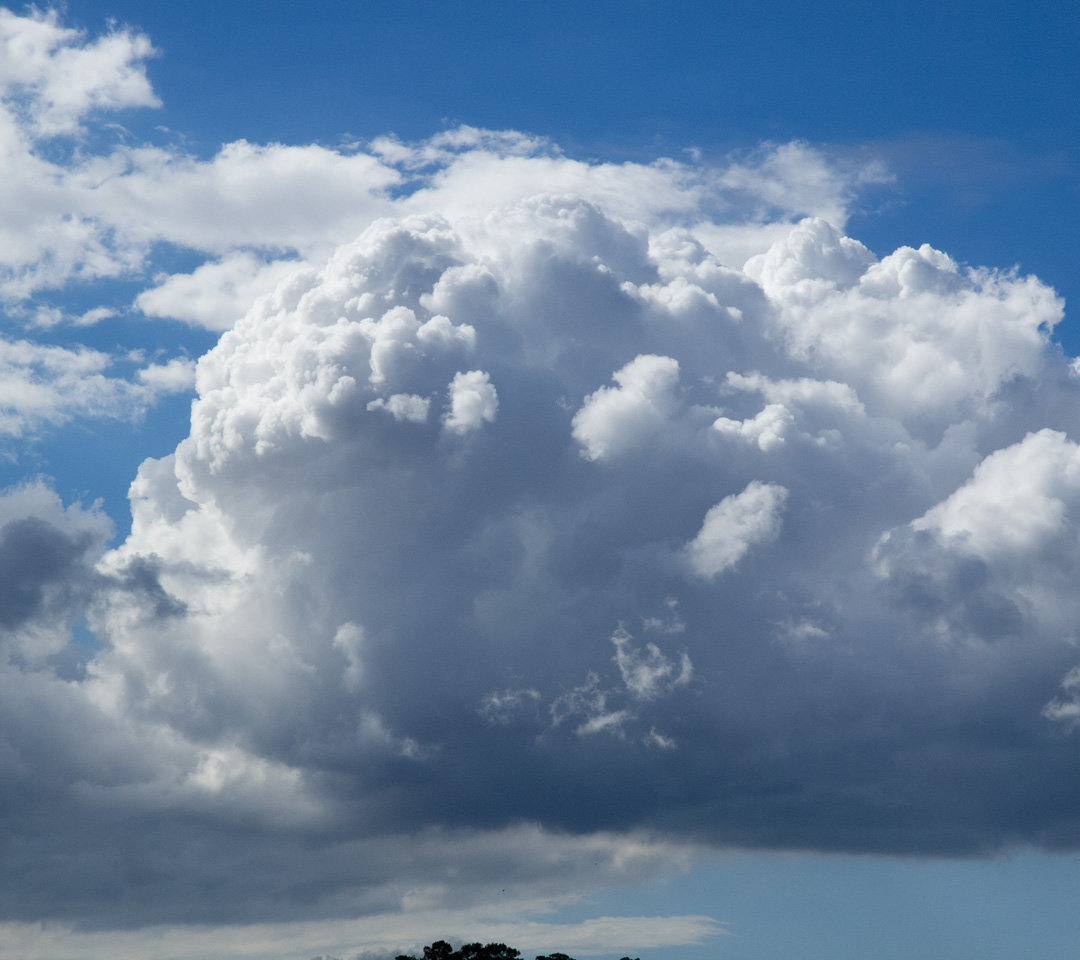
[{"x": 631, "y": 506}]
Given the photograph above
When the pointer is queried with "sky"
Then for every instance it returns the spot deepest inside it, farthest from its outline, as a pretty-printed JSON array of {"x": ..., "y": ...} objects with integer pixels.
[{"x": 598, "y": 477}]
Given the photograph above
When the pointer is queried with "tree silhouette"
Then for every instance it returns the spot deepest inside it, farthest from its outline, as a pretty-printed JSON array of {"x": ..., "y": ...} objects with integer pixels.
[{"x": 441, "y": 950}]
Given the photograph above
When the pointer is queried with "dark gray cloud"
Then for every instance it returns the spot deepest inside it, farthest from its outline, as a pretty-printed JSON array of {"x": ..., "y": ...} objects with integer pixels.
[{"x": 40, "y": 568}]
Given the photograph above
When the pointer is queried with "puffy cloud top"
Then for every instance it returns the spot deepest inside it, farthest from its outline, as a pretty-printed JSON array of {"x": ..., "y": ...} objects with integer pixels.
[{"x": 465, "y": 460}]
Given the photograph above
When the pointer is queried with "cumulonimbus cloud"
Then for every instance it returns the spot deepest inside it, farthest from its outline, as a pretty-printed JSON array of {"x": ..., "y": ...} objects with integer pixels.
[{"x": 583, "y": 495}]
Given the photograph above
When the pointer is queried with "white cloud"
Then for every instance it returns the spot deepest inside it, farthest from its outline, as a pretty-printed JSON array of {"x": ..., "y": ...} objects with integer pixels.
[
  {"x": 1005, "y": 541},
  {"x": 403, "y": 406},
  {"x": 794, "y": 176},
  {"x": 100, "y": 216},
  {"x": 48, "y": 385},
  {"x": 473, "y": 402},
  {"x": 1017, "y": 499},
  {"x": 215, "y": 294},
  {"x": 439, "y": 332},
  {"x": 53, "y": 77},
  {"x": 614, "y": 420},
  {"x": 766, "y": 428},
  {"x": 175, "y": 376},
  {"x": 733, "y": 526},
  {"x": 913, "y": 332},
  {"x": 646, "y": 674},
  {"x": 802, "y": 392},
  {"x": 649, "y": 673},
  {"x": 812, "y": 410}
]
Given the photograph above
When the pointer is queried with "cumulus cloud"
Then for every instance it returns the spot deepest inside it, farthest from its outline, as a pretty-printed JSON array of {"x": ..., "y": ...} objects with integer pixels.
[
  {"x": 43, "y": 385},
  {"x": 473, "y": 402},
  {"x": 1017, "y": 499},
  {"x": 403, "y": 406},
  {"x": 504, "y": 559},
  {"x": 733, "y": 526},
  {"x": 614, "y": 419},
  {"x": 1004, "y": 543},
  {"x": 174, "y": 376},
  {"x": 541, "y": 513},
  {"x": 53, "y": 76},
  {"x": 867, "y": 323},
  {"x": 215, "y": 294}
]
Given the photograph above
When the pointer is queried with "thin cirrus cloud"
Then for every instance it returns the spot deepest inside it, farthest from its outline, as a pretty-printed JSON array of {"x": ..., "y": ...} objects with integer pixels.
[{"x": 544, "y": 517}]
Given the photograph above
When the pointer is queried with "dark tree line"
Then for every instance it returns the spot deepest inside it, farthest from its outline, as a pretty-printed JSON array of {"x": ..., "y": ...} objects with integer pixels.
[{"x": 441, "y": 950}]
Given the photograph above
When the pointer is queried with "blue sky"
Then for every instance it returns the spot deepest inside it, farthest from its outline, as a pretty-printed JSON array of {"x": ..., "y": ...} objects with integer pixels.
[
  {"x": 603, "y": 477},
  {"x": 970, "y": 102}
]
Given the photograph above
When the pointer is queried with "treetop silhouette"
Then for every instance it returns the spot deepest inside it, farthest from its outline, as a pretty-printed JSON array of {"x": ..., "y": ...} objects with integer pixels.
[{"x": 441, "y": 950}]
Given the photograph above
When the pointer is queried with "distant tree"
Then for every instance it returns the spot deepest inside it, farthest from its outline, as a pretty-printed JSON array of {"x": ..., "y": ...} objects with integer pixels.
[
  {"x": 441, "y": 950},
  {"x": 491, "y": 951},
  {"x": 563, "y": 956}
]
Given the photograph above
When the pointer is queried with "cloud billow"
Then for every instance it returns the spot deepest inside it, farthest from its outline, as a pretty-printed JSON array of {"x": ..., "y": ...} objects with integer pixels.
[
  {"x": 632, "y": 507},
  {"x": 566, "y": 473}
]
